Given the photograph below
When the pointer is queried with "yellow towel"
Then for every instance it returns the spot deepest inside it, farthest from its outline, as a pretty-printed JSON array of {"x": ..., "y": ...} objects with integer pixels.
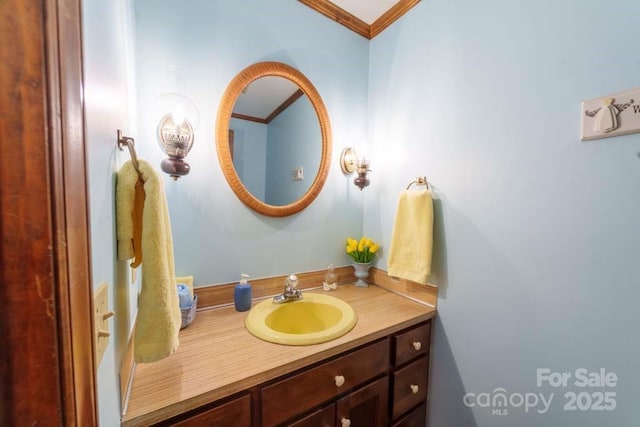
[
  {"x": 412, "y": 239},
  {"x": 159, "y": 319}
]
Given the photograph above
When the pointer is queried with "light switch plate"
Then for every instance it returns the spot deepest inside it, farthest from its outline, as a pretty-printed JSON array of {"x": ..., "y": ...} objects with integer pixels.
[{"x": 101, "y": 320}]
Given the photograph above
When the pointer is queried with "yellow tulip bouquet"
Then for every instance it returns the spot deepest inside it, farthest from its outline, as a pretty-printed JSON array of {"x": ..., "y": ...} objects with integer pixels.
[{"x": 362, "y": 251}]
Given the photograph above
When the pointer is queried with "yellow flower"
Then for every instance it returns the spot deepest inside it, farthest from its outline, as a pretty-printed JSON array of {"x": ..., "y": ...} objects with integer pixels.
[{"x": 362, "y": 250}]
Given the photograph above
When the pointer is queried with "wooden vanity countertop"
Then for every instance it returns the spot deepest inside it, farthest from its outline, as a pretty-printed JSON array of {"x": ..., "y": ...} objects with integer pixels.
[{"x": 218, "y": 357}]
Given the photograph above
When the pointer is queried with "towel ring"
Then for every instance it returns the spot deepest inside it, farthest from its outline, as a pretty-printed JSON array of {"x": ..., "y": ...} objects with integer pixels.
[{"x": 421, "y": 180}]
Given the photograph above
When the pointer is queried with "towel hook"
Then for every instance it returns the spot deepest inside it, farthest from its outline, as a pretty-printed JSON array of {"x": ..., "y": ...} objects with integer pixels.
[
  {"x": 421, "y": 180},
  {"x": 130, "y": 144}
]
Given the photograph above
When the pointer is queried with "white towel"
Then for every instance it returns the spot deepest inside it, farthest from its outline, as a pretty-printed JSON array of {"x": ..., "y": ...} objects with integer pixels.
[
  {"x": 159, "y": 318},
  {"x": 412, "y": 239}
]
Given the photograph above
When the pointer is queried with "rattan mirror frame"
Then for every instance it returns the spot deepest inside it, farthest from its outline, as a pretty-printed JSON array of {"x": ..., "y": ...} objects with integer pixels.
[{"x": 235, "y": 88}]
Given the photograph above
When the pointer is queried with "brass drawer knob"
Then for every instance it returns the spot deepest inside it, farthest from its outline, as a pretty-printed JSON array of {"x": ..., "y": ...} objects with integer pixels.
[
  {"x": 417, "y": 345},
  {"x": 414, "y": 388},
  {"x": 339, "y": 380},
  {"x": 345, "y": 422}
]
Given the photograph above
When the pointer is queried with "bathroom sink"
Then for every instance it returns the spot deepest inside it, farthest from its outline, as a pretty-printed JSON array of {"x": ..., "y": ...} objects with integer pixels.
[{"x": 314, "y": 319}]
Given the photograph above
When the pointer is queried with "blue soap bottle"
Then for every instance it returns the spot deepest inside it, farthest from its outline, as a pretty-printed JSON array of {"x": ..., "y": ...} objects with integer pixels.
[{"x": 242, "y": 294}]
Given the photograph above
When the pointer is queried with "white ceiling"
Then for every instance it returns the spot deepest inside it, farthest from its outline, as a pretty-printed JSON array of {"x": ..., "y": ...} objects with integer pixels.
[
  {"x": 264, "y": 95},
  {"x": 366, "y": 10}
]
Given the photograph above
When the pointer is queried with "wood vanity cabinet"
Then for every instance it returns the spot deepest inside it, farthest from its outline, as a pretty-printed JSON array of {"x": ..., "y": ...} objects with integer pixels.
[
  {"x": 299, "y": 393},
  {"x": 380, "y": 384},
  {"x": 410, "y": 376},
  {"x": 236, "y": 412},
  {"x": 366, "y": 406},
  {"x": 387, "y": 383},
  {"x": 324, "y": 417}
]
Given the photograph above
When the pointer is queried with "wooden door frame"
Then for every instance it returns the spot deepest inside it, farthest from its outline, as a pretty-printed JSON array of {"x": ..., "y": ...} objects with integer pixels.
[{"x": 47, "y": 368}]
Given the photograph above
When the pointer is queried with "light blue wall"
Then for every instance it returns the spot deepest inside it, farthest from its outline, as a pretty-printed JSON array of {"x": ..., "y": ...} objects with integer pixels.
[
  {"x": 537, "y": 235},
  {"x": 536, "y": 232},
  {"x": 215, "y": 236},
  {"x": 250, "y": 154},
  {"x": 109, "y": 93},
  {"x": 294, "y": 140}
]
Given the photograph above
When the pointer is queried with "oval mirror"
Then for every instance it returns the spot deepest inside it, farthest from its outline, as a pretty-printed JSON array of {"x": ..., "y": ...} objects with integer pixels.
[{"x": 273, "y": 139}]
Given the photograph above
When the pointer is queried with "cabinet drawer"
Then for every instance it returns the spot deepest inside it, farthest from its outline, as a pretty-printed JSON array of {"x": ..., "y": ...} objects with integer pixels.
[
  {"x": 412, "y": 343},
  {"x": 234, "y": 413},
  {"x": 299, "y": 393},
  {"x": 410, "y": 386},
  {"x": 324, "y": 417},
  {"x": 416, "y": 418}
]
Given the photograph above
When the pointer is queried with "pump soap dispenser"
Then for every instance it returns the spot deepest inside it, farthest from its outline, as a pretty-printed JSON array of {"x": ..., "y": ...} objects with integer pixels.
[{"x": 242, "y": 294}]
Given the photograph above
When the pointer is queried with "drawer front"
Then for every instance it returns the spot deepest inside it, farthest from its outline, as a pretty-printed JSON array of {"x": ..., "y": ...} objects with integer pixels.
[
  {"x": 321, "y": 418},
  {"x": 411, "y": 344},
  {"x": 415, "y": 418},
  {"x": 410, "y": 386},
  {"x": 299, "y": 393},
  {"x": 234, "y": 413}
]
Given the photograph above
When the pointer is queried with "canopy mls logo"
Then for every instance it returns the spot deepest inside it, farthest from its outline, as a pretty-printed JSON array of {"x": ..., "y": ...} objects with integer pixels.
[
  {"x": 500, "y": 401},
  {"x": 593, "y": 393}
]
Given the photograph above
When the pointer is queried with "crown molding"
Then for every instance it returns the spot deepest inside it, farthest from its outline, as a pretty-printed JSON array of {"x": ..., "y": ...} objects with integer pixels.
[{"x": 341, "y": 16}]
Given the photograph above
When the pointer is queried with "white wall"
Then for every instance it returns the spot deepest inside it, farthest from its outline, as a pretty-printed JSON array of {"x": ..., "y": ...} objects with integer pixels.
[{"x": 536, "y": 236}]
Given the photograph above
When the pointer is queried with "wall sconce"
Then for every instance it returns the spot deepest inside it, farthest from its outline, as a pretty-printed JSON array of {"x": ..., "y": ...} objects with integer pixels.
[
  {"x": 349, "y": 163},
  {"x": 178, "y": 119}
]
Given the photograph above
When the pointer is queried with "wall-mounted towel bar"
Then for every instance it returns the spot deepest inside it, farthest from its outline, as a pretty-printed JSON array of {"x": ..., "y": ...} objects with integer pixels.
[
  {"x": 128, "y": 141},
  {"x": 421, "y": 180}
]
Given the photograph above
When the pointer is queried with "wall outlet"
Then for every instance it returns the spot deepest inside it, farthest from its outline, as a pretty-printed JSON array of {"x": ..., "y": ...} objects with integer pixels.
[
  {"x": 101, "y": 320},
  {"x": 298, "y": 174}
]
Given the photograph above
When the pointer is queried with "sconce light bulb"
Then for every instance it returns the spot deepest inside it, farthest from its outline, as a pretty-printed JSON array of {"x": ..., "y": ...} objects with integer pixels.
[
  {"x": 362, "y": 169},
  {"x": 178, "y": 115}
]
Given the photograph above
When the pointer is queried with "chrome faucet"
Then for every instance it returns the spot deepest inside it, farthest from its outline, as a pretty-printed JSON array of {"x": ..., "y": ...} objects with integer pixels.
[{"x": 290, "y": 292}]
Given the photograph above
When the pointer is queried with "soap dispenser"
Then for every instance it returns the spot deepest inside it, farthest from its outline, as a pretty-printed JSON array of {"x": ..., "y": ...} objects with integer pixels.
[{"x": 242, "y": 294}]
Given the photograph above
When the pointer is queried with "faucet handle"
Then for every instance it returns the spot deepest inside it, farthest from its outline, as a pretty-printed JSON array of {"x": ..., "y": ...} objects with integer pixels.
[{"x": 292, "y": 281}]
